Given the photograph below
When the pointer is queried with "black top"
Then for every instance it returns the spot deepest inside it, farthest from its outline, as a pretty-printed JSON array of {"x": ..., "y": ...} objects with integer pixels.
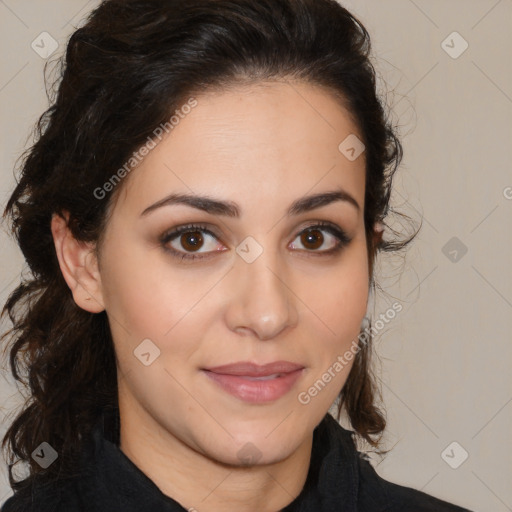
[{"x": 340, "y": 479}]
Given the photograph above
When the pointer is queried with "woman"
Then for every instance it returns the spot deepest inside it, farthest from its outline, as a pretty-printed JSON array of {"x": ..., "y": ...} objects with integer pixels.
[{"x": 201, "y": 214}]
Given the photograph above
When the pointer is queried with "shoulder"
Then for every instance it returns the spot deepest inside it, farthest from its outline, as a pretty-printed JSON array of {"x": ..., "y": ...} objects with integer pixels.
[
  {"x": 70, "y": 491},
  {"x": 59, "y": 496},
  {"x": 379, "y": 495}
]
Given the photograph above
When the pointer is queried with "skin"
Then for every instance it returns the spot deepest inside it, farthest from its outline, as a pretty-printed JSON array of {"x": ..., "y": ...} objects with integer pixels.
[{"x": 261, "y": 146}]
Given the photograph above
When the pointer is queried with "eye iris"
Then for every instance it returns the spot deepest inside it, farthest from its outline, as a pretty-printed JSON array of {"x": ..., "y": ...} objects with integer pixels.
[
  {"x": 309, "y": 237},
  {"x": 191, "y": 240}
]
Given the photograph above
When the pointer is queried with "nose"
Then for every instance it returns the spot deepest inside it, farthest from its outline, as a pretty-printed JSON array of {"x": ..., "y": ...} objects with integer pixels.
[{"x": 262, "y": 302}]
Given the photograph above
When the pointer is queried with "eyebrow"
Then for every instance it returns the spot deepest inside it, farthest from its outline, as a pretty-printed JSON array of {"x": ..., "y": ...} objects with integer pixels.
[{"x": 231, "y": 209}]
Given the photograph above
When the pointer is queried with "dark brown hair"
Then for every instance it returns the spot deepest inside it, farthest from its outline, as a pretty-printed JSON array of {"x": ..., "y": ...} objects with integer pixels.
[{"x": 125, "y": 71}]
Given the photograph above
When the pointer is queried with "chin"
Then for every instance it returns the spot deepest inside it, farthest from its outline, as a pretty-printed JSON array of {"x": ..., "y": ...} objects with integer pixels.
[{"x": 251, "y": 451}]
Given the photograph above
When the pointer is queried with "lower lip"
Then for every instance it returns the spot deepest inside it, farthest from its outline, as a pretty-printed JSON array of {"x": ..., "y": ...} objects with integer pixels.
[{"x": 256, "y": 391}]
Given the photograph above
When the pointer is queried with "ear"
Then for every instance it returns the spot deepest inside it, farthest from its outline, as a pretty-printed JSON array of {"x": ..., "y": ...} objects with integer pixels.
[
  {"x": 378, "y": 231},
  {"x": 78, "y": 264}
]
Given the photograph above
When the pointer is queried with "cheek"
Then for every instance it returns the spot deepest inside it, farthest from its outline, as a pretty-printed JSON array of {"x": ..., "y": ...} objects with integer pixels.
[
  {"x": 146, "y": 297},
  {"x": 341, "y": 304},
  {"x": 342, "y": 298}
]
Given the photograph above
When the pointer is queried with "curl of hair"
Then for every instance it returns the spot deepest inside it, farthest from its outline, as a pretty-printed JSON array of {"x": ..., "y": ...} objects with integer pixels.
[{"x": 125, "y": 71}]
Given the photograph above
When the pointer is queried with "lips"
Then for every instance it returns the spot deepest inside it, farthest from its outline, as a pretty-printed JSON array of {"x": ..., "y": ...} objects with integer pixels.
[
  {"x": 247, "y": 369},
  {"x": 256, "y": 383}
]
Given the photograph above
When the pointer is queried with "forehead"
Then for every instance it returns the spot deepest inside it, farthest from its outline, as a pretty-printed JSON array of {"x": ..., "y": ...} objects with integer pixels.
[{"x": 272, "y": 137}]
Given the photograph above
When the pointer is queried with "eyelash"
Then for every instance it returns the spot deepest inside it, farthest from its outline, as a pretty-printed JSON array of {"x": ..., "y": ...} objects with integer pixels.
[{"x": 169, "y": 236}]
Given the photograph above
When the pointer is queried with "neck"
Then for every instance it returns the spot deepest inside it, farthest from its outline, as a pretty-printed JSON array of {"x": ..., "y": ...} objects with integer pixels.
[{"x": 200, "y": 483}]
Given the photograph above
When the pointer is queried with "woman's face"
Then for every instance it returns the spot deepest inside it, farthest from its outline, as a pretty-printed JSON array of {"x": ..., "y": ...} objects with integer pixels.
[{"x": 247, "y": 285}]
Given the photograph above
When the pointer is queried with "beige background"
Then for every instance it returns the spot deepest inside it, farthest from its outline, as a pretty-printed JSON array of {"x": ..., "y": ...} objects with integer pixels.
[{"x": 445, "y": 359}]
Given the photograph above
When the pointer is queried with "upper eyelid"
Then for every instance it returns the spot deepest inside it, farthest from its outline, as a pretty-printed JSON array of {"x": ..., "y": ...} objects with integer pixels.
[{"x": 174, "y": 232}]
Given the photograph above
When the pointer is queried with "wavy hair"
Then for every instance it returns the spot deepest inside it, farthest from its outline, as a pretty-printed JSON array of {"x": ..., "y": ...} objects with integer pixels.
[{"x": 130, "y": 65}]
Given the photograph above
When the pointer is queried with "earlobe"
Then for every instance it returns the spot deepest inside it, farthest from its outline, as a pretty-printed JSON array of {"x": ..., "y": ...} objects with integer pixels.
[{"x": 78, "y": 264}]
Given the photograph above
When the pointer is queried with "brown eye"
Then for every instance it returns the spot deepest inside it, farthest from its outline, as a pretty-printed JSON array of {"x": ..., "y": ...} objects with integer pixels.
[
  {"x": 312, "y": 238},
  {"x": 192, "y": 240},
  {"x": 323, "y": 238}
]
